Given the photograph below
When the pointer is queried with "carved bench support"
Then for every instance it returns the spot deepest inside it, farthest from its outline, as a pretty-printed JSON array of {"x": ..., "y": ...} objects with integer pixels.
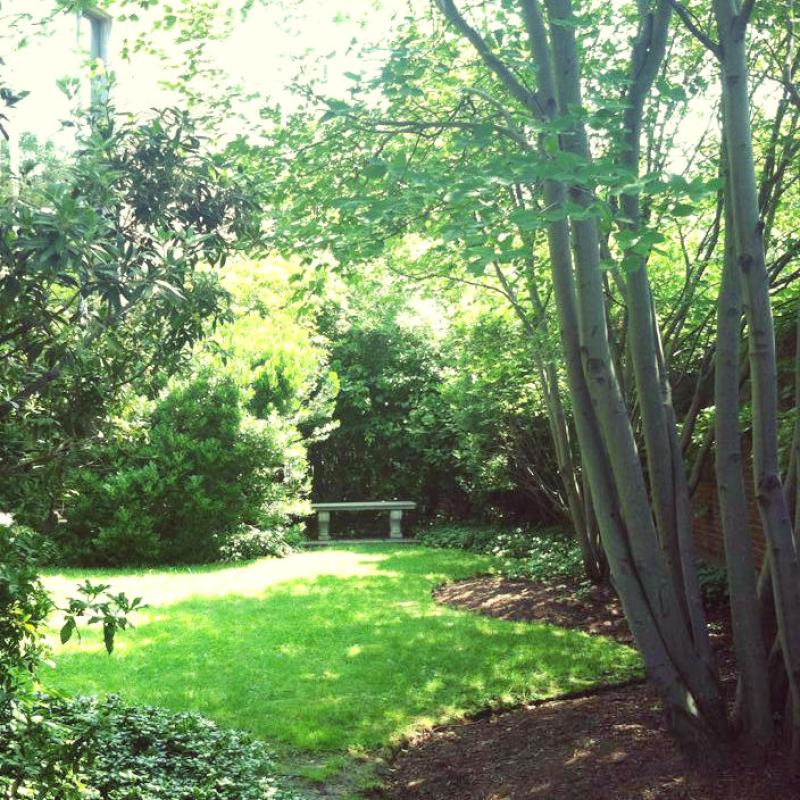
[
  {"x": 324, "y": 519},
  {"x": 395, "y": 524}
]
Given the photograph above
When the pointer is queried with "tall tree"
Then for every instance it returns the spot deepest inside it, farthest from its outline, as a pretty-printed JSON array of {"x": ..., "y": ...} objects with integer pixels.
[
  {"x": 544, "y": 108},
  {"x": 747, "y": 233}
]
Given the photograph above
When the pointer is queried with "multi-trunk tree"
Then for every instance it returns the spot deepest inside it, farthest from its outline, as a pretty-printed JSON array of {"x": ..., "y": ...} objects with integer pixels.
[
  {"x": 637, "y": 513},
  {"x": 541, "y": 161}
]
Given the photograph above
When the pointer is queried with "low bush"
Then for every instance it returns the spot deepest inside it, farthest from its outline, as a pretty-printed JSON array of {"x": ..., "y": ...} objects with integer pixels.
[
  {"x": 118, "y": 752},
  {"x": 250, "y": 542},
  {"x": 537, "y": 554}
]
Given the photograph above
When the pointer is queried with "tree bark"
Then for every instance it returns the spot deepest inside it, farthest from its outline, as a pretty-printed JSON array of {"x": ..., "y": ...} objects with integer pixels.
[
  {"x": 604, "y": 431},
  {"x": 748, "y": 635},
  {"x": 732, "y": 21},
  {"x": 610, "y": 406},
  {"x": 668, "y": 486}
]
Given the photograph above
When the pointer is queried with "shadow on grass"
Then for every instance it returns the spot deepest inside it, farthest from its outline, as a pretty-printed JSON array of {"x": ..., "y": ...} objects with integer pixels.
[{"x": 342, "y": 661}]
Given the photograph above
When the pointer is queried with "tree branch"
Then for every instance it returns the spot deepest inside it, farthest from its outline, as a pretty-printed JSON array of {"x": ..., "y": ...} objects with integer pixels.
[
  {"x": 694, "y": 29},
  {"x": 743, "y": 17},
  {"x": 416, "y": 126},
  {"x": 517, "y": 89}
]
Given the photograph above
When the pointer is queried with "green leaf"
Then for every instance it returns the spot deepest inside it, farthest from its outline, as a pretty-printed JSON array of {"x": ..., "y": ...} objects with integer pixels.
[
  {"x": 375, "y": 169},
  {"x": 109, "y": 630},
  {"x": 551, "y": 145},
  {"x": 525, "y": 219},
  {"x": 67, "y": 630}
]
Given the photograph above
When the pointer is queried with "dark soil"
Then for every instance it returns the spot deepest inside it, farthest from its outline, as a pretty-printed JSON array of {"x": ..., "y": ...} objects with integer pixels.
[{"x": 608, "y": 745}]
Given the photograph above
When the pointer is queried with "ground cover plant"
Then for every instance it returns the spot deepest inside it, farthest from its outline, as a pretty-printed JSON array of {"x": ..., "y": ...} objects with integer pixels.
[
  {"x": 330, "y": 651},
  {"x": 539, "y": 554},
  {"x": 545, "y": 555},
  {"x": 123, "y": 752}
]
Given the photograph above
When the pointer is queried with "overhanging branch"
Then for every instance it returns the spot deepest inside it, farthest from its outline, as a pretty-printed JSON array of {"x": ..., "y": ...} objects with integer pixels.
[
  {"x": 691, "y": 24},
  {"x": 516, "y": 88}
]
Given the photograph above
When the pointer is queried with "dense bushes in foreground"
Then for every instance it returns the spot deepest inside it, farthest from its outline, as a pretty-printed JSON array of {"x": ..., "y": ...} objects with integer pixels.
[
  {"x": 24, "y": 606},
  {"x": 113, "y": 751},
  {"x": 536, "y": 554}
]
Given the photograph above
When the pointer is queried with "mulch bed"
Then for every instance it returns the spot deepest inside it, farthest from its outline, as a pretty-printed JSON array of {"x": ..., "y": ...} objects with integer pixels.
[
  {"x": 611, "y": 744},
  {"x": 595, "y": 610}
]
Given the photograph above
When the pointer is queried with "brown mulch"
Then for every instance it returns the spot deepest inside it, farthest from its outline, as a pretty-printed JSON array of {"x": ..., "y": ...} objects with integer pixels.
[
  {"x": 566, "y": 604},
  {"x": 608, "y": 745}
]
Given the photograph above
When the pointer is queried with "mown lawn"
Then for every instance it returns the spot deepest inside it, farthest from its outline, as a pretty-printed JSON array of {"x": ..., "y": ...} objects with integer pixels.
[{"x": 328, "y": 650}]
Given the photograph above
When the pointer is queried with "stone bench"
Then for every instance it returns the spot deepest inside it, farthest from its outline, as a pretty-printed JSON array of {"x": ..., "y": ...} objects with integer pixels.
[{"x": 394, "y": 507}]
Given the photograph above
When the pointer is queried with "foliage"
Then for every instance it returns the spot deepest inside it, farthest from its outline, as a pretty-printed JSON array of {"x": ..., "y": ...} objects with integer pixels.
[
  {"x": 713, "y": 582},
  {"x": 174, "y": 490},
  {"x": 248, "y": 542},
  {"x": 170, "y": 479},
  {"x": 24, "y": 606},
  {"x": 106, "y": 282},
  {"x": 440, "y": 399},
  {"x": 102, "y": 607},
  {"x": 497, "y": 413},
  {"x": 31, "y": 743},
  {"x": 128, "y": 753},
  {"x": 536, "y": 554},
  {"x": 389, "y": 441},
  {"x": 272, "y": 347},
  {"x": 335, "y": 650}
]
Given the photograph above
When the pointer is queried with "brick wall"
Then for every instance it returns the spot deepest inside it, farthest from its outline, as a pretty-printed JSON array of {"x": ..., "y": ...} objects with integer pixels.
[
  {"x": 705, "y": 506},
  {"x": 707, "y": 525}
]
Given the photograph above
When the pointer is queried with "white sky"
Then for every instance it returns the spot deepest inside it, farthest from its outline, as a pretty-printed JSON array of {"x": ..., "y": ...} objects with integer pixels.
[{"x": 264, "y": 53}]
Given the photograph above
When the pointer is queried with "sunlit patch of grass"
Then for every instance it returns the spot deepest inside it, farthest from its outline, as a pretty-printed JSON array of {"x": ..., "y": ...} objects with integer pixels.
[{"x": 332, "y": 650}]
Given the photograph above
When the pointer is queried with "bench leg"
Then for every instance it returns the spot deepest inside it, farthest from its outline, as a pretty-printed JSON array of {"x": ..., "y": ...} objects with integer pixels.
[
  {"x": 395, "y": 524},
  {"x": 324, "y": 520}
]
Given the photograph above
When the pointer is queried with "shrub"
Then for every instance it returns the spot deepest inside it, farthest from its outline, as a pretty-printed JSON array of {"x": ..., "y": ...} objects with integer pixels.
[
  {"x": 713, "y": 582},
  {"x": 119, "y": 752},
  {"x": 537, "y": 554},
  {"x": 179, "y": 487},
  {"x": 24, "y": 606},
  {"x": 36, "y": 752},
  {"x": 250, "y": 542}
]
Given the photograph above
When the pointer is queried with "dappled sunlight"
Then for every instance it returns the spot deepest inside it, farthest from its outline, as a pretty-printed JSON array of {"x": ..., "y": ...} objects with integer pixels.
[
  {"x": 353, "y": 654},
  {"x": 163, "y": 587}
]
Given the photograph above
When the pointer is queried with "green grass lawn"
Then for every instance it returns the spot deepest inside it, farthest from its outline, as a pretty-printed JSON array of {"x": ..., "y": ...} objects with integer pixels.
[{"x": 328, "y": 650}]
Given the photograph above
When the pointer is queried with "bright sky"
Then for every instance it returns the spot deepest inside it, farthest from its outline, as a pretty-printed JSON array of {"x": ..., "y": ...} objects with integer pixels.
[{"x": 265, "y": 53}]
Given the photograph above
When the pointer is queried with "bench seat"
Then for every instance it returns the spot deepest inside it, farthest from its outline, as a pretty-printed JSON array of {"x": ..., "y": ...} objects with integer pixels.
[{"x": 394, "y": 507}]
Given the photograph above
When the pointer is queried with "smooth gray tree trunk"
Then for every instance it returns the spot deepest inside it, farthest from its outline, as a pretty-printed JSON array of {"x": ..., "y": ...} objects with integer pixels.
[
  {"x": 748, "y": 635},
  {"x": 732, "y": 20}
]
